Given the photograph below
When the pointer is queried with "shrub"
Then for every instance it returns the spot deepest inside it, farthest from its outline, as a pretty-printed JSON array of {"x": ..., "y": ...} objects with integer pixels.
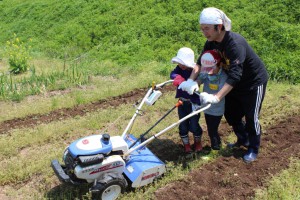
[{"x": 18, "y": 54}]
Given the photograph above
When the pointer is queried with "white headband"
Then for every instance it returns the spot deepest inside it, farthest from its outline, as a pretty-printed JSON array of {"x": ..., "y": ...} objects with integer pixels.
[{"x": 215, "y": 16}]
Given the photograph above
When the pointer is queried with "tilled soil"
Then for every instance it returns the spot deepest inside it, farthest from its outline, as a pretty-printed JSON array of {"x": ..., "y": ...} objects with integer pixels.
[
  {"x": 227, "y": 177},
  {"x": 64, "y": 113}
]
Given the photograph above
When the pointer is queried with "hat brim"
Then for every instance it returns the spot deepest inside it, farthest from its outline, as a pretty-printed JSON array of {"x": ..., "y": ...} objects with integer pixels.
[{"x": 178, "y": 60}]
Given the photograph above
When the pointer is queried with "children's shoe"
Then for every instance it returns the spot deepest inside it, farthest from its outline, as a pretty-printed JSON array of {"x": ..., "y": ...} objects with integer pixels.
[
  {"x": 187, "y": 148},
  {"x": 198, "y": 146}
]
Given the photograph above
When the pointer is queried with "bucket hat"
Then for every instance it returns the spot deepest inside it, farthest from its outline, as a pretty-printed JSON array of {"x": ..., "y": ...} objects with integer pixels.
[{"x": 185, "y": 56}]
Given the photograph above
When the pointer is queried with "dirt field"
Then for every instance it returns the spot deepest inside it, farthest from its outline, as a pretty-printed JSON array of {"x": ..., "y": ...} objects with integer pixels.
[{"x": 227, "y": 177}]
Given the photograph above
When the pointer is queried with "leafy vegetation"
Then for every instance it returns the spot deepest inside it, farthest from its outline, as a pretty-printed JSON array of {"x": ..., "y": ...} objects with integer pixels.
[
  {"x": 18, "y": 54},
  {"x": 151, "y": 30}
]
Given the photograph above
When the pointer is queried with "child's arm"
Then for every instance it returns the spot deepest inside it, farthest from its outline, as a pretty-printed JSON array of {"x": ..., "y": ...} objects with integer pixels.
[
  {"x": 178, "y": 80},
  {"x": 174, "y": 73}
]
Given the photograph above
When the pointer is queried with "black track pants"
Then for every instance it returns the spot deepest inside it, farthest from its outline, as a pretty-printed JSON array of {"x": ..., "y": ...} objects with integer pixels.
[{"x": 239, "y": 106}]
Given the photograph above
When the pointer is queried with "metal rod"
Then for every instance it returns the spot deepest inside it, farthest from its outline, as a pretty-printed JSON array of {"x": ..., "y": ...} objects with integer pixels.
[
  {"x": 141, "y": 104},
  {"x": 179, "y": 103},
  {"x": 200, "y": 109}
]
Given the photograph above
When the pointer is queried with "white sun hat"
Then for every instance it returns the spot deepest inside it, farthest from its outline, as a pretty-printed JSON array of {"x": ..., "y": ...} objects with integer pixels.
[{"x": 185, "y": 56}]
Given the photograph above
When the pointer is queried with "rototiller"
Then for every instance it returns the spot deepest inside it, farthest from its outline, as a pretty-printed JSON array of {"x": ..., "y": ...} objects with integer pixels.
[{"x": 113, "y": 163}]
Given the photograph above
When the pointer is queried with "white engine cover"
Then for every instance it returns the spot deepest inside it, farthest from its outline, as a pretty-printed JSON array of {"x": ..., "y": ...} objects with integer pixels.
[
  {"x": 113, "y": 164},
  {"x": 118, "y": 144}
]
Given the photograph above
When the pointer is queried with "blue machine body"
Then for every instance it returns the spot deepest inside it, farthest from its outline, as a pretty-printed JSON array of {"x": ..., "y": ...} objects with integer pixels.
[
  {"x": 143, "y": 166},
  {"x": 90, "y": 145}
]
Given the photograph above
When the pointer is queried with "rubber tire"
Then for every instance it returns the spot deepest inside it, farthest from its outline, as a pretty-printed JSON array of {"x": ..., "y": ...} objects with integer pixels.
[{"x": 105, "y": 189}]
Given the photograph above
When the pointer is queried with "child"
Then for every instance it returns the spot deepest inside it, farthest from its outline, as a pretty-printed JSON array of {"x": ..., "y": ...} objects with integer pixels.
[
  {"x": 213, "y": 78},
  {"x": 185, "y": 64}
]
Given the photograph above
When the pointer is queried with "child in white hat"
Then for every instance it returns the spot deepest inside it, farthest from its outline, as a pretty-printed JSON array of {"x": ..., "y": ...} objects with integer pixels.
[
  {"x": 185, "y": 64},
  {"x": 213, "y": 78}
]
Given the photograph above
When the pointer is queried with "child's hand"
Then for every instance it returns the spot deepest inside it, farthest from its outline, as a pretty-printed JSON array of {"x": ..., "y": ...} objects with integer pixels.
[
  {"x": 189, "y": 86},
  {"x": 178, "y": 80}
]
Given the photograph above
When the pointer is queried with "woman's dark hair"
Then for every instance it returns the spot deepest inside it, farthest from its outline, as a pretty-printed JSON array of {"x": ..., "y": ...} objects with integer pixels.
[{"x": 216, "y": 27}]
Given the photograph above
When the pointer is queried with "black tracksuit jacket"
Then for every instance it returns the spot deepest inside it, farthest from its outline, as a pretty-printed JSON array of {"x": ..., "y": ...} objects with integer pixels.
[{"x": 244, "y": 68}]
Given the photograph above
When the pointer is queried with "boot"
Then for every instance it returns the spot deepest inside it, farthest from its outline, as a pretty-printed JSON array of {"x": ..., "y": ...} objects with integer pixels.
[
  {"x": 187, "y": 148},
  {"x": 197, "y": 144},
  {"x": 186, "y": 144}
]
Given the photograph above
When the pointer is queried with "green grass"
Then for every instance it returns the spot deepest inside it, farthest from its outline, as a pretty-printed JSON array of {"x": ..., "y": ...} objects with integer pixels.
[
  {"x": 283, "y": 186},
  {"x": 149, "y": 31}
]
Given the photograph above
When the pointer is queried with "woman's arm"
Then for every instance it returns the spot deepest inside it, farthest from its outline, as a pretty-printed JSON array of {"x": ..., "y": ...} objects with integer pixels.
[
  {"x": 195, "y": 72},
  {"x": 224, "y": 91}
]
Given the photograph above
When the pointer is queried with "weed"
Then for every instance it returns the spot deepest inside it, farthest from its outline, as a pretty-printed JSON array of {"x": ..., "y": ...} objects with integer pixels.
[{"x": 18, "y": 53}]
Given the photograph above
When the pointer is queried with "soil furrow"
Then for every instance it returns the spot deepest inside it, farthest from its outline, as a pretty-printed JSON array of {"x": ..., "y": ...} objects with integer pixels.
[
  {"x": 64, "y": 113},
  {"x": 228, "y": 177}
]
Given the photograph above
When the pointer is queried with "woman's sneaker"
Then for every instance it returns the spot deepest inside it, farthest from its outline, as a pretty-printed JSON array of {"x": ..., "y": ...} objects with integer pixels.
[{"x": 250, "y": 156}]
